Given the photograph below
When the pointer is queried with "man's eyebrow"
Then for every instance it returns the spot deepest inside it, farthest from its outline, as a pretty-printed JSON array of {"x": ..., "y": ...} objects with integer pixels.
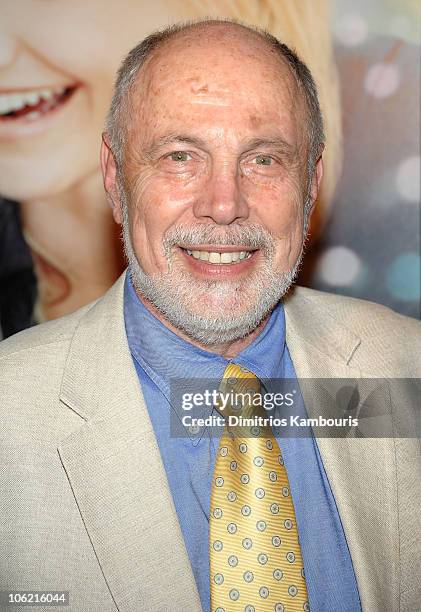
[
  {"x": 174, "y": 138},
  {"x": 276, "y": 141}
]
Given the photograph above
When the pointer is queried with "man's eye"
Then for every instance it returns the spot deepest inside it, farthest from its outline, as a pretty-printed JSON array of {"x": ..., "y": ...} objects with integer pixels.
[
  {"x": 179, "y": 156},
  {"x": 264, "y": 160}
]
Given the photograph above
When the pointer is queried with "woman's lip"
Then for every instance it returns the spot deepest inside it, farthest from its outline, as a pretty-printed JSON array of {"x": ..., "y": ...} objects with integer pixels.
[
  {"x": 19, "y": 128},
  {"x": 12, "y": 89},
  {"x": 220, "y": 271}
]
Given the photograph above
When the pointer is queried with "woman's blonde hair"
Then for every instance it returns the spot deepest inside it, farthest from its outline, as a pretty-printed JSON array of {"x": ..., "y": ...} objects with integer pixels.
[{"x": 304, "y": 25}]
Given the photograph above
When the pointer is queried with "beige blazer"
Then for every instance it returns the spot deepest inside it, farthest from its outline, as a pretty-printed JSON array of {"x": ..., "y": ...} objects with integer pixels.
[{"x": 85, "y": 504}]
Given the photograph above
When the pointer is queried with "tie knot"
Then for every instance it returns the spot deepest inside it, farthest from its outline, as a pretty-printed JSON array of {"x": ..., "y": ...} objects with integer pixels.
[
  {"x": 241, "y": 389},
  {"x": 238, "y": 377}
]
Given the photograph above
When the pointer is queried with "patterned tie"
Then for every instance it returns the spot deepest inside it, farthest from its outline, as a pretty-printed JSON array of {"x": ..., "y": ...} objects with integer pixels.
[{"x": 255, "y": 557}]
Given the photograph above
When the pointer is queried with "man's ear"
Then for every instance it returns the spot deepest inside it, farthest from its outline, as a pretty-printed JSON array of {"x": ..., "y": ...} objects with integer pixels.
[
  {"x": 109, "y": 175},
  {"x": 316, "y": 180}
]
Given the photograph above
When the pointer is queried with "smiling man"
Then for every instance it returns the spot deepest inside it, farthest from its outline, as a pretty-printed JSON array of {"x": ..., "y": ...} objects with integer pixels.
[
  {"x": 221, "y": 168},
  {"x": 212, "y": 161}
]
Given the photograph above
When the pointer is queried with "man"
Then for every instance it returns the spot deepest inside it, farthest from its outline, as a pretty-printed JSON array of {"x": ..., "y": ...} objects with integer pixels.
[{"x": 212, "y": 164}]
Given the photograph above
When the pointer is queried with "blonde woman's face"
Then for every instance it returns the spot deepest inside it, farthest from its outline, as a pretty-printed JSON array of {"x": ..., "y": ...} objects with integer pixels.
[{"x": 58, "y": 60}]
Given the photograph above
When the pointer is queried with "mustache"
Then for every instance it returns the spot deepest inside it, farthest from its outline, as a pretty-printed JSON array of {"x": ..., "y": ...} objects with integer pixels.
[{"x": 254, "y": 236}]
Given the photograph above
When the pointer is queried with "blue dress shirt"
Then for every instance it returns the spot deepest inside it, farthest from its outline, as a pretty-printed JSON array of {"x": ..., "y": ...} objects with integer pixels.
[{"x": 159, "y": 356}]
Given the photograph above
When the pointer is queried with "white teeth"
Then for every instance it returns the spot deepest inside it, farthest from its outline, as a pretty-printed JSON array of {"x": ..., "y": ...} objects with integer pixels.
[
  {"x": 33, "y": 98},
  {"x": 219, "y": 258},
  {"x": 226, "y": 257},
  {"x": 16, "y": 101},
  {"x": 215, "y": 258},
  {"x": 5, "y": 103}
]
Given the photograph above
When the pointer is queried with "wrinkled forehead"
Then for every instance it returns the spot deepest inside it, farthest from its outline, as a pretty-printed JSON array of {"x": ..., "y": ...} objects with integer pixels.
[{"x": 216, "y": 66}]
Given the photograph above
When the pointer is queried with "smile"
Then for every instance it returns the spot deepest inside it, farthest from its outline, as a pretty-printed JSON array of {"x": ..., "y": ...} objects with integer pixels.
[
  {"x": 224, "y": 258},
  {"x": 32, "y": 105}
]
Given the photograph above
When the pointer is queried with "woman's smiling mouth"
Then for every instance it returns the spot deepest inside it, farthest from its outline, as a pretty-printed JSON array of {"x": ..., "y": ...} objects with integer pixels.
[
  {"x": 31, "y": 105},
  {"x": 29, "y": 112}
]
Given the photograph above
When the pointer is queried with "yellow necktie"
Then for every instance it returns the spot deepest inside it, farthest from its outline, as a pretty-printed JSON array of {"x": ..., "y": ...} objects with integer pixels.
[{"x": 255, "y": 557}]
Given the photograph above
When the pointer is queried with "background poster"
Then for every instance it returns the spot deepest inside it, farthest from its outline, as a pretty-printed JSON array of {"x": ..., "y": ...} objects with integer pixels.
[{"x": 59, "y": 247}]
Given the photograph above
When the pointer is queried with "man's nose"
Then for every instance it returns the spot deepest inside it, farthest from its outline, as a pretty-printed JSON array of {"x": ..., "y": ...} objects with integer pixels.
[{"x": 222, "y": 199}]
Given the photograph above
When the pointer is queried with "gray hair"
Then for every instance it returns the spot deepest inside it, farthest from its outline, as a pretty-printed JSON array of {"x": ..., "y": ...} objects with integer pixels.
[{"x": 137, "y": 57}]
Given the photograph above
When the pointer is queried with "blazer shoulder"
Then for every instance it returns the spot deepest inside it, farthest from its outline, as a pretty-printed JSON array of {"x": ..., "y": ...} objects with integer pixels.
[
  {"x": 389, "y": 343},
  {"x": 361, "y": 316},
  {"x": 41, "y": 338}
]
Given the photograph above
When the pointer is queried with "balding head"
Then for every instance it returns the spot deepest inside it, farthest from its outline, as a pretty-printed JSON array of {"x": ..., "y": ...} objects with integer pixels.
[{"x": 144, "y": 64}]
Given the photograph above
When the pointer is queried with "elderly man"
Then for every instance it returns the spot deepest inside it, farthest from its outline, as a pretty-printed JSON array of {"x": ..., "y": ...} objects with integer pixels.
[{"x": 212, "y": 160}]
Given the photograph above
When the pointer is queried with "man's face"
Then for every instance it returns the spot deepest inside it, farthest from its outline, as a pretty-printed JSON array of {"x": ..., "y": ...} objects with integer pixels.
[{"x": 216, "y": 180}]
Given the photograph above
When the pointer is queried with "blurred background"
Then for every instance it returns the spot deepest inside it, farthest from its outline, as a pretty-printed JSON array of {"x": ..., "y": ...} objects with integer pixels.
[
  {"x": 370, "y": 246},
  {"x": 59, "y": 248}
]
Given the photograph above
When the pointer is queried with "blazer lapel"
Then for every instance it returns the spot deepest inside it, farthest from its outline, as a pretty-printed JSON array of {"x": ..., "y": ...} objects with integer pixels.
[
  {"x": 115, "y": 469},
  {"x": 361, "y": 472}
]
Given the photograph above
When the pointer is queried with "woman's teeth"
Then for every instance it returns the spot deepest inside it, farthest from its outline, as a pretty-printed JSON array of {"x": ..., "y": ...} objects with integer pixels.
[
  {"x": 219, "y": 258},
  {"x": 24, "y": 103}
]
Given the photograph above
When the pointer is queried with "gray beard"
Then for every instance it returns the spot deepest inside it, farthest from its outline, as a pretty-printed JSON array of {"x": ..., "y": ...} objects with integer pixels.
[{"x": 174, "y": 292}]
